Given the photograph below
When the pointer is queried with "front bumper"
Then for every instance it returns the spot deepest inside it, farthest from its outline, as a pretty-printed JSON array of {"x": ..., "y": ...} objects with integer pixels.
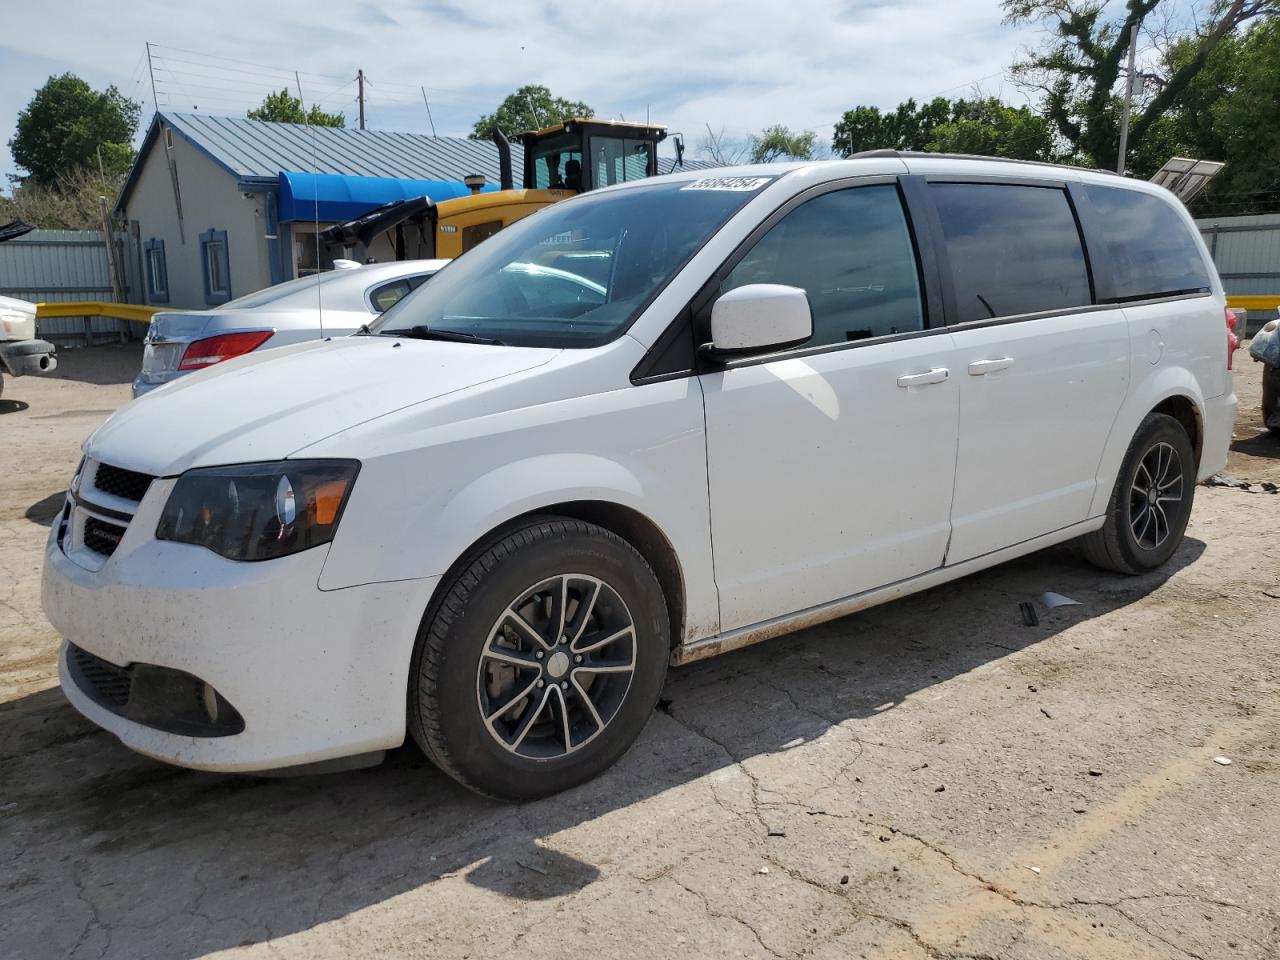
[
  {"x": 28, "y": 356},
  {"x": 315, "y": 674}
]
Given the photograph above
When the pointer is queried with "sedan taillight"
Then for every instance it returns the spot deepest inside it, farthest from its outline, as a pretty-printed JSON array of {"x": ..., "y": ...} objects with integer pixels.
[{"x": 204, "y": 353}]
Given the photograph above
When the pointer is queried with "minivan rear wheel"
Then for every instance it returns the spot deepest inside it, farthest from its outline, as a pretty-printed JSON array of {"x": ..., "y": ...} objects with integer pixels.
[
  {"x": 541, "y": 662},
  {"x": 1150, "y": 503}
]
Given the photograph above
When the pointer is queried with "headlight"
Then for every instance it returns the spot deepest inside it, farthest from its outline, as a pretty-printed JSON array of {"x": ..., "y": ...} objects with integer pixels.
[{"x": 258, "y": 511}]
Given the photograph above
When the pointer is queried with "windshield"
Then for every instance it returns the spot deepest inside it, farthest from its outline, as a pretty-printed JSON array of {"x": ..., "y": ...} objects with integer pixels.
[{"x": 572, "y": 275}]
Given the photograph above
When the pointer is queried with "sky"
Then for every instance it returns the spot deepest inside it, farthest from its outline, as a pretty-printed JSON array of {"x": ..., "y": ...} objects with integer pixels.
[{"x": 736, "y": 66}]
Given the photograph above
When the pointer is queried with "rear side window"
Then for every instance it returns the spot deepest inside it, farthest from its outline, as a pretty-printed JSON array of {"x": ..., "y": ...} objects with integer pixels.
[
  {"x": 389, "y": 294},
  {"x": 850, "y": 251},
  {"x": 1149, "y": 248},
  {"x": 1013, "y": 249}
]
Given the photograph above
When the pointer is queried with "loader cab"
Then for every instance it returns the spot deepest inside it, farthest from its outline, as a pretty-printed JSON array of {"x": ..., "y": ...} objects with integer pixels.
[{"x": 583, "y": 154}]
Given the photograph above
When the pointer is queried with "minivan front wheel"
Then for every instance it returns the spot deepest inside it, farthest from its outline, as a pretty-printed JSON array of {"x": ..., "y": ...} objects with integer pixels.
[
  {"x": 1150, "y": 503},
  {"x": 542, "y": 661}
]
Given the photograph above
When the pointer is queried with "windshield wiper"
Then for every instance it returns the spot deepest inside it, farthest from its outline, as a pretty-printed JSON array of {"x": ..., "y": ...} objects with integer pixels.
[
  {"x": 363, "y": 331},
  {"x": 431, "y": 333}
]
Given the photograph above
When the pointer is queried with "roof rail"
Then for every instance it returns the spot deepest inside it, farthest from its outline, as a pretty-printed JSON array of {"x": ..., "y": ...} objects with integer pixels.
[{"x": 902, "y": 154}]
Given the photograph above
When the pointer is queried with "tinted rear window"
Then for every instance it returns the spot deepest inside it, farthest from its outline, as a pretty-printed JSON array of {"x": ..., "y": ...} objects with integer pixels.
[
  {"x": 1149, "y": 247},
  {"x": 1013, "y": 249}
]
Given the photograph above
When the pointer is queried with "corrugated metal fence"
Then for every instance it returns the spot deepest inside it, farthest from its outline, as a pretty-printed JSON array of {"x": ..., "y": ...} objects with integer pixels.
[
  {"x": 57, "y": 266},
  {"x": 1247, "y": 253}
]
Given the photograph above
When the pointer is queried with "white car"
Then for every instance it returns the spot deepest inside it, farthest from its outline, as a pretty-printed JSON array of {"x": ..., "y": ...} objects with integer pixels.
[
  {"x": 330, "y": 304},
  {"x": 773, "y": 396},
  {"x": 20, "y": 352}
]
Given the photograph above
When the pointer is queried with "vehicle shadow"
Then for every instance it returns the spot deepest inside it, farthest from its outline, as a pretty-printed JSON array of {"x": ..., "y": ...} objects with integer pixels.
[
  {"x": 112, "y": 854},
  {"x": 44, "y": 511},
  {"x": 13, "y": 406},
  {"x": 1264, "y": 444},
  {"x": 102, "y": 364}
]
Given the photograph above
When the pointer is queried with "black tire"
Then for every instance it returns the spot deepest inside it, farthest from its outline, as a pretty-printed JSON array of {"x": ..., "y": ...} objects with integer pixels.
[
  {"x": 1117, "y": 546},
  {"x": 1270, "y": 396},
  {"x": 454, "y": 675}
]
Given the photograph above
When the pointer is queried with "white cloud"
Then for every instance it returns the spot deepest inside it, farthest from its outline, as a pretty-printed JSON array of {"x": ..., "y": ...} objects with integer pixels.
[{"x": 737, "y": 65}]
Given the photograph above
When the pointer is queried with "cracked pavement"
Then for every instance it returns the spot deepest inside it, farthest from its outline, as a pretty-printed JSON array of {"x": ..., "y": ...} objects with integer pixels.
[{"x": 881, "y": 786}]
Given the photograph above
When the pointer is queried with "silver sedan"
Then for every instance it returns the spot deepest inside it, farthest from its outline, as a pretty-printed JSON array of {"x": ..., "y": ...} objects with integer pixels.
[{"x": 331, "y": 304}]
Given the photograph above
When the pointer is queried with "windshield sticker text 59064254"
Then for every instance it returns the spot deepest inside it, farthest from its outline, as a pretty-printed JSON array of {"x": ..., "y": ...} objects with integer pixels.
[{"x": 740, "y": 184}]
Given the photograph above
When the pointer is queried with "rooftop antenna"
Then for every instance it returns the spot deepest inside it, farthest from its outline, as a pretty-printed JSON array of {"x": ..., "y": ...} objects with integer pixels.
[
  {"x": 154, "y": 103},
  {"x": 360, "y": 94},
  {"x": 428, "y": 106},
  {"x": 315, "y": 196}
]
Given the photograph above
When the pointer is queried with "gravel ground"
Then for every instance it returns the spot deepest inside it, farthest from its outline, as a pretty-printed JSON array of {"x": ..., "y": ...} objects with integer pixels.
[{"x": 927, "y": 779}]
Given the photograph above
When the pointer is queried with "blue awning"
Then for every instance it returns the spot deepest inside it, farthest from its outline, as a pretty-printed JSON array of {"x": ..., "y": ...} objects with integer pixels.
[{"x": 335, "y": 198}]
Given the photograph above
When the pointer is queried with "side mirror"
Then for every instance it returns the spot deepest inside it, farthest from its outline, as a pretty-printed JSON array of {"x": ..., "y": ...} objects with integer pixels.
[{"x": 758, "y": 318}]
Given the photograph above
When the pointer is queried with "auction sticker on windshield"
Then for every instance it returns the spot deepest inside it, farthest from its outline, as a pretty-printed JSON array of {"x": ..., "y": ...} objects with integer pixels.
[{"x": 742, "y": 184}]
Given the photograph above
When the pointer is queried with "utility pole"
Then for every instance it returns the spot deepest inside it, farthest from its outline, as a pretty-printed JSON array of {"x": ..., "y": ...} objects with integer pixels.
[
  {"x": 1128, "y": 98},
  {"x": 426, "y": 104},
  {"x": 360, "y": 95},
  {"x": 152, "y": 73}
]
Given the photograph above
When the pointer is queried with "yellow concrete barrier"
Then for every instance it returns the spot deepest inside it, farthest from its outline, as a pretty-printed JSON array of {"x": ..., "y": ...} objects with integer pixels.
[
  {"x": 1262, "y": 302},
  {"x": 96, "y": 308}
]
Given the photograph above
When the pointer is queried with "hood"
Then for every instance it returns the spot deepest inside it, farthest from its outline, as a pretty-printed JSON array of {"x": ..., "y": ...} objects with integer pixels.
[{"x": 265, "y": 406}]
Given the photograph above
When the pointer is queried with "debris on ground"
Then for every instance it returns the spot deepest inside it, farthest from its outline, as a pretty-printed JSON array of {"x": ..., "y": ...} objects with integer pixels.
[
  {"x": 1095, "y": 773},
  {"x": 763, "y": 870},
  {"x": 1222, "y": 761},
  {"x": 844, "y": 880},
  {"x": 1054, "y": 600},
  {"x": 1029, "y": 616},
  {"x": 1046, "y": 713},
  {"x": 1035, "y": 870},
  {"x": 1222, "y": 480},
  {"x": 777, "y": 832},
  {"x": 939, "y": 789}
]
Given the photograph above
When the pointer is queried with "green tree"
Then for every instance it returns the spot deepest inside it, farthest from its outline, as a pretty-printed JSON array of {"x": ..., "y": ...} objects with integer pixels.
[
  {"x": 908, "y": 127},
  {"x": 983, "y": 125},
  {"x": 69, "y": 204},
  {"x": 529, "y": 108},
  {"x": 1230, "y": 112},
  {"x": 781, "y": 143},
  {"x": 68, "y": 124},
  {"x": 283, "y": 107},
  {"x": 1077, "y": 70}
]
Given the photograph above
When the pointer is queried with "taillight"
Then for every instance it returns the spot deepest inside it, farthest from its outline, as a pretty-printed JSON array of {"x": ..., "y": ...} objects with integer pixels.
[
  {"x": 1233, "y": 341},
  {"x": 204, "y": 353}
]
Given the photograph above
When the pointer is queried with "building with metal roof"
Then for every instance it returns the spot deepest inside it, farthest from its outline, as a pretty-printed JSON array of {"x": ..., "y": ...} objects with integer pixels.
[{"x": 218, "y": 207}]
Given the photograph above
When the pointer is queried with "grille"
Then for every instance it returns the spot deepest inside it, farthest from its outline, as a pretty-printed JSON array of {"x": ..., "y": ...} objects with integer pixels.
[
  {"x": 104, "y": 682},
  {"x": 119, "y": 482},
  {"x": 102, "y": 537}
]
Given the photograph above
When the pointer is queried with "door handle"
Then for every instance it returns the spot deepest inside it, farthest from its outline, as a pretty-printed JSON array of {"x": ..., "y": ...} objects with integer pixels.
[
  {"x": 980, "y": 368},
  {"x": 936, "y": 375}
]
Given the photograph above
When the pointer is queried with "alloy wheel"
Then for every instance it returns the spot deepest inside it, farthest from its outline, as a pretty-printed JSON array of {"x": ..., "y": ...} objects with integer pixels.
[
  {"x": 1156, "y": 493},
  {"x": 556, "y": 666}
]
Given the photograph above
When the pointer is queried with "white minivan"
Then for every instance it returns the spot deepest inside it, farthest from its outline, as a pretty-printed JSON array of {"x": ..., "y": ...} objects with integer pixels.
[{"x": 645, "y": 425}]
